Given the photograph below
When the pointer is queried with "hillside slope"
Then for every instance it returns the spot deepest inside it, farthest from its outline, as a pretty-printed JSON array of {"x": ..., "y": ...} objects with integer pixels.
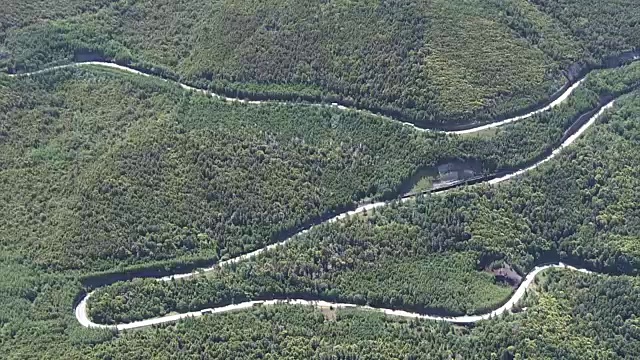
[{"x": 435, "y": 63}]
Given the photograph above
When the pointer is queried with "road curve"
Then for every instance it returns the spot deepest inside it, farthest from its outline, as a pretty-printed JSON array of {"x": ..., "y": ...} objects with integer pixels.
[
  {"x": 81, "y": 308},
  {"x": 551, "y": 105}
]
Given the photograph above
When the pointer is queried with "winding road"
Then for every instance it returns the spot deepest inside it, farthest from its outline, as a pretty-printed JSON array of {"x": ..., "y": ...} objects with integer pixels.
[
  {"x": 81, "y": 308},
  {"x": 560, "y": 99}
]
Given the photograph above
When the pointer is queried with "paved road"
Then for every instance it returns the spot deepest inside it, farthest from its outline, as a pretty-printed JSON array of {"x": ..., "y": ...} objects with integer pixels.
[
  {"x": 553, "y": 104},
  {"x": 81, "y": 309}
]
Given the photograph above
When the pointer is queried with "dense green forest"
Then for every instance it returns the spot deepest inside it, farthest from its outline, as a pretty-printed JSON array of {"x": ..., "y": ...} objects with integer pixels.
[
  {"x": 105, "y": 175},
  {"x": 431, "y": 62},
  {"x": 573, "y": 316},
  {"x": 601, "y": 26},
  {"x": 518, "y": 143},
  {"x": 594, "y": 205},
  {"x": 447, "y": 284},
  {"x": 570, "y": 316},
  {"x": 582, "y": 207},
  {"x": 103, "y": 170}
]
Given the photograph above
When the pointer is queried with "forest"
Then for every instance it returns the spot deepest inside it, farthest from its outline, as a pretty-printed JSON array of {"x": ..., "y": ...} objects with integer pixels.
[
  {"x": 434, "y": 63},
  {"x": 511, "y": 146},
  {"x": 109, "y": 176},
  {"x": 104, "y": 171},
  {"x": 54, "y": 143},
  {"x": 582, "y": 208},
  {"x": 571, "y": 316}
]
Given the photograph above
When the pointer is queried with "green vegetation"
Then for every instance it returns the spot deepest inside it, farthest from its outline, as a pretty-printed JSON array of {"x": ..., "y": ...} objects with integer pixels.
[
  {"x": 422, "y": 185},
  {"x": 435, "y": 283},
  {"x": 102, "y": 170},
  {"x": 576, "y": 316},
  {"x": 431, "y": 62},
  {"x": 573, "y": 316},
  {"x": 581, "y": 207},
  {"x": 105, "y": 173},
  {"x": 602, "y": 27},
  {"x": 521, "y": 141}
]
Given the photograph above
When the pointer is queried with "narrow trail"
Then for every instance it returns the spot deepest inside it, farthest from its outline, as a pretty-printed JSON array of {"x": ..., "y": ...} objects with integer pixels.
[
  {"x": 81, "y": 308},
  {"x": 559, "y": 100}
]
